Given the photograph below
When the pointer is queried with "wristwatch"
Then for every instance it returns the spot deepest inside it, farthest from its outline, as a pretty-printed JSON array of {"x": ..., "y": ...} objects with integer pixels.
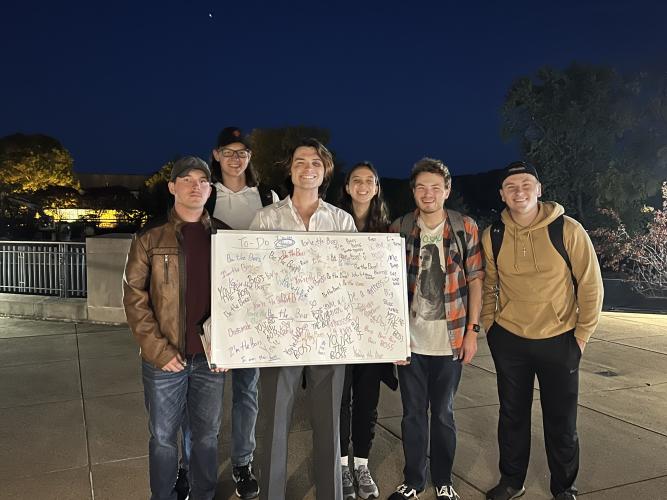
[{"x": 474, "y": 327}]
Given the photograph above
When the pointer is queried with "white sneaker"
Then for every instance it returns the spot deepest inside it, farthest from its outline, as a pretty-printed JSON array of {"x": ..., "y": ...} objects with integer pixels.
[
  {"x": 404, "y": 492},
  {"x": 446, "y": 491},
  {"x": 366, "y": 487},
  {"x": 348, "y": 484}
]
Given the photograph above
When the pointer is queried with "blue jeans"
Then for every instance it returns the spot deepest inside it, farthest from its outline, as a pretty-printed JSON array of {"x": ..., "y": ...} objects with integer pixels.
[
  {"x": 244, "y": 414},
  {"x": 167, "y": 395},
  {"x": 429, "y": 381},
  {"x": 244, "y": 418}
]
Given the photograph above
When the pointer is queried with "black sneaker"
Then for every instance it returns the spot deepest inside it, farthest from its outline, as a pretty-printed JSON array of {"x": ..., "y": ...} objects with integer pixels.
[
  {"x": 566, "y": 495},
  {"x": 182, "y": 486},
  {"x": 446, "y": 491},
  {"x": 246, "y": 482},
  {"x": 404, "y": 492},
  {"x": 503, "y": 492}
]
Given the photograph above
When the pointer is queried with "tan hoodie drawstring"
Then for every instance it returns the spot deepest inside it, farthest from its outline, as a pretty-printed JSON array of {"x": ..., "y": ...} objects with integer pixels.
[
  {"x": 547, "y": 213},
  {"x": 516, "y": 249},
  {"x": 532, "y": 249}
]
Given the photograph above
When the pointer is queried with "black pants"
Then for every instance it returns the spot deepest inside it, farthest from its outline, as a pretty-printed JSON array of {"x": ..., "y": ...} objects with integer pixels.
[
  {"x": 428, "y": 381},
  {"x": 555, "y": 361},
  {"x": 361, "y": 393}
]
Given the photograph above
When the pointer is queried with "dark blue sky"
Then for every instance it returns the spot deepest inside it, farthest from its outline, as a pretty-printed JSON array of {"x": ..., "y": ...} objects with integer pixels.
[{"x": 128, "y": 86}]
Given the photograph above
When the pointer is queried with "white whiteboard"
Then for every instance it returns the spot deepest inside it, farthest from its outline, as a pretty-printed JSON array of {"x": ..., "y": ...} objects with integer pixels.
[{"x": 298, "y": 298}]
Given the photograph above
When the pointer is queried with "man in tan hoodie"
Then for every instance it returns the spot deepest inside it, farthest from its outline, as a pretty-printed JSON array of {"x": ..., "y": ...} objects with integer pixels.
[{"x": 539, "y": 311}]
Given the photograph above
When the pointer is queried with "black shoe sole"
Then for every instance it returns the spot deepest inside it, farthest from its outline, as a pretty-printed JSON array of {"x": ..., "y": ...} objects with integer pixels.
[
  {"x": 518, "y": 494},
  {"x": 247, "y": 497}
]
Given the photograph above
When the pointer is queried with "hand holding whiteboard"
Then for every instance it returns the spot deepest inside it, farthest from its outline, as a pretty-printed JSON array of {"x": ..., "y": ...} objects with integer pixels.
[{"x": 302, "y": 298}]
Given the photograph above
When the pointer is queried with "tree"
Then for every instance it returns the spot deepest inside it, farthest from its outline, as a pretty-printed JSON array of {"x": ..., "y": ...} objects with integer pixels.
[
  {"x": 161, "y": 176},
  {"x": 30, "y": 163},
  {"x": 113, "y": 201},
  {"x": 56, "y": 199},
  {"x": 154, "y": 198},
  {"x": 270, "y": 145},
  {"x": 585, "y": 128}
]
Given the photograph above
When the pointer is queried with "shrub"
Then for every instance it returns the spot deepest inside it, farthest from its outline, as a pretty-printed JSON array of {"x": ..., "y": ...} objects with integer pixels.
[{"x": 642, "y": 255}]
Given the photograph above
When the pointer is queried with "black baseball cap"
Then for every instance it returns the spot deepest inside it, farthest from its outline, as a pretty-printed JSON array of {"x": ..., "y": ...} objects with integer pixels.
[
  {"x": 517, "y": 167},
  {"x": 230, "y": 135},
  {"x": 187, "y": 163}
]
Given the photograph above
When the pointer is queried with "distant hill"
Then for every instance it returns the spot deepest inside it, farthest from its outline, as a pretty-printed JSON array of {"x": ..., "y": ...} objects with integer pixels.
[{"x": 480, "y": 192}]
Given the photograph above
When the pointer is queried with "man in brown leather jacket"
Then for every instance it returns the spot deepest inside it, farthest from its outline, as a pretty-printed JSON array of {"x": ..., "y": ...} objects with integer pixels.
[{"x": 166, "y": 294}]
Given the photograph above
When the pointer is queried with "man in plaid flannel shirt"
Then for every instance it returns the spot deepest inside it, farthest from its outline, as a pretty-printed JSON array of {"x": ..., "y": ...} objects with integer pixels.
[{"x": 444, "y": 296}]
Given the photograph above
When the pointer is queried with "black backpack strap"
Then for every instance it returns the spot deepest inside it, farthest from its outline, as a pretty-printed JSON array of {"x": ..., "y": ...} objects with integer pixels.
[
  {"x": 555, "y": 230},
  {"x": 265, "y": 194},
  {"x": 497, "y": 234},
  {"x": 210, "y": 203},
  {"x": 556, "y": 237},
  {"x": 458, "y": 227}
]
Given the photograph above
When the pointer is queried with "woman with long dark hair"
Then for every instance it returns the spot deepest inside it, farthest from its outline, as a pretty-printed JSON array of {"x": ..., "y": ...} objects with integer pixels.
[{"x": 361, "y": 196}]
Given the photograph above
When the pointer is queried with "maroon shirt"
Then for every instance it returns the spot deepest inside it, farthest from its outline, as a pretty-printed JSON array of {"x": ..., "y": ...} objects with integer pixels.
[{"x": 197, "y": 248}]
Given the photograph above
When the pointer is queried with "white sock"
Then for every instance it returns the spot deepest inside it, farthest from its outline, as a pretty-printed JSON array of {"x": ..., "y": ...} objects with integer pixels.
[
  {"x": 343, "y": 461},
  {"x": 360, "y": 461}
]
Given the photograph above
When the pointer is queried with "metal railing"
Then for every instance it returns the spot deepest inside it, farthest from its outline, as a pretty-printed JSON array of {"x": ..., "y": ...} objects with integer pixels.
[{"x": 43, "y": 268}]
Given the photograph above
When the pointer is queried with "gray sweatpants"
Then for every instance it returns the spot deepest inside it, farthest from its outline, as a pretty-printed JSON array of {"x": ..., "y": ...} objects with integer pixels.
[{"x": 324, "y": 391}]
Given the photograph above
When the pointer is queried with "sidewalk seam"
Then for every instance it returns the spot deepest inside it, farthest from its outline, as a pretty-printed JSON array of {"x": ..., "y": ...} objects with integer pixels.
[{"x": 85, "y": 418}]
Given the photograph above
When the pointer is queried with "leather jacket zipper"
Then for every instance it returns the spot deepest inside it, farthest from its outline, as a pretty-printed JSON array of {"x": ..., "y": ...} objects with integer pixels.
[{"x": 166, "y": 269}]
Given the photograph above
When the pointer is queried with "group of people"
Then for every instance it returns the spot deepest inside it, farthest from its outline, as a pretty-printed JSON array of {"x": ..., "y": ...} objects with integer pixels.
[{"x": 532, "y": 282}]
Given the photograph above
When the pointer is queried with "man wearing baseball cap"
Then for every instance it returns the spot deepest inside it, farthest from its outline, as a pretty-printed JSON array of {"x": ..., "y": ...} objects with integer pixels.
[
  {"x": 237, "y": 189},
  {"x": 166, "y": 295},
  {"x": 542, "y": 298}
]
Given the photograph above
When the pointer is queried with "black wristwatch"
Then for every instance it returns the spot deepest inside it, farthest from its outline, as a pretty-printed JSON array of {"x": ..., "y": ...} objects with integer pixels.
[{"x": 474, "y": 327}]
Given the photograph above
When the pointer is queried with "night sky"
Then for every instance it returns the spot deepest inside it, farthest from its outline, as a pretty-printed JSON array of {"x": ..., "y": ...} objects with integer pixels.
[{"x": 128, "y": 86}]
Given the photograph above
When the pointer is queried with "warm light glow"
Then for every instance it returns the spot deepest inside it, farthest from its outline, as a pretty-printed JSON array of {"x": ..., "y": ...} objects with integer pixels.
[{"x": 102, "y": 218}]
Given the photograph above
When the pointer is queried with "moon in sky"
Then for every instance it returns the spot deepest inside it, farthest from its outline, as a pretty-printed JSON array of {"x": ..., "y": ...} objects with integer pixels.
[{"x": 210, "y": 15}]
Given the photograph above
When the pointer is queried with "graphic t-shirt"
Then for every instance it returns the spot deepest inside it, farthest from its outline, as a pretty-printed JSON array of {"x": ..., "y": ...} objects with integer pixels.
[{"x": 428, "y": 326}]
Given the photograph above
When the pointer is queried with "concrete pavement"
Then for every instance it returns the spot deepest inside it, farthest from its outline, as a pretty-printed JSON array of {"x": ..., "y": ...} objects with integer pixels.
[{"x": 73, "y": 425}]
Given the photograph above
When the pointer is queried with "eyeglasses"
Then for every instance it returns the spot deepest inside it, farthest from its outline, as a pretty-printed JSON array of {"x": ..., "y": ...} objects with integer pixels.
[{"x": 242, "y": 154}]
